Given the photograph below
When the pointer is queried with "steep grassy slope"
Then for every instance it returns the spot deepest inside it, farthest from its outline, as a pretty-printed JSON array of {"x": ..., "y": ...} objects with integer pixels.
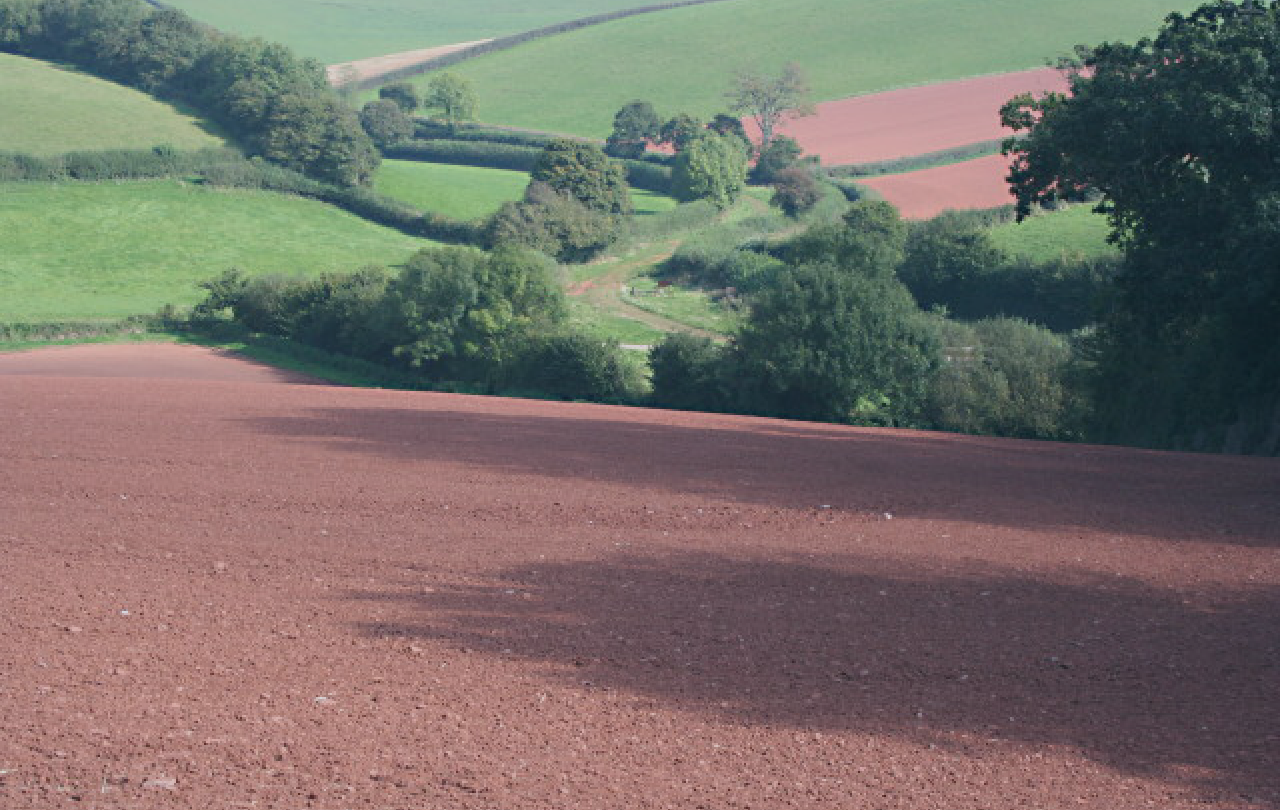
[
  {"x": 341, "y": 32},
  {"x": 683, "y": 59},
  {"x": 90, "y": 250},
  {"x": 47, "y": 109}
]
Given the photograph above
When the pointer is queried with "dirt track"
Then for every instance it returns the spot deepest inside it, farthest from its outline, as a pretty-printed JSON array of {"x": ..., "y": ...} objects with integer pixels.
[{"x": 234, "y": 594}]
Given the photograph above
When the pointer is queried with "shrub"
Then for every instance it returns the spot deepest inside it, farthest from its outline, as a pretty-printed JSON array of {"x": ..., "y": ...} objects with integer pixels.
[
  {"x": 574, "y": 366},
  {"x": 687, "y": 372}
]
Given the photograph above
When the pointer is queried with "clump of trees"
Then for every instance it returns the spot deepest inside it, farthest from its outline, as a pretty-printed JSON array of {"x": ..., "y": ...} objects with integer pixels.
[
  {"x": 1177, "y": 133},
  {"x": 573, "y": 206},
  {"x": 276, "y": 104},
  {"x": 493, "y": 320}
]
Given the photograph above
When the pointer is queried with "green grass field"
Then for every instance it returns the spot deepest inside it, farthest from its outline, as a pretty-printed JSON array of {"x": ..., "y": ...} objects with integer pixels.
[
  {"x": 82, "y": 251},
  {"x": 468, "y": 192},
  {"x": 342, "y": 32},
  {"x": 1075, "y": 232},
  {"x": 683, "y": 59},
  {"x": 48, "y": 109}
]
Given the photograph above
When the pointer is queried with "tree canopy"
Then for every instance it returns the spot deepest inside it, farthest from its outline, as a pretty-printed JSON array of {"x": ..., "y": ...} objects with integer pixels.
[
  {"x": 1180, "y": 133},
  {"x": 452, "y": 96},
  {"x": 769, "y": 99}
]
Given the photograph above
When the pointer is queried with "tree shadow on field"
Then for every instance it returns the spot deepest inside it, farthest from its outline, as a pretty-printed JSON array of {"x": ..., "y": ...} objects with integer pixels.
[
  {"x": 1023, "y": 485},
  {"x": 1137, "y": 678}
]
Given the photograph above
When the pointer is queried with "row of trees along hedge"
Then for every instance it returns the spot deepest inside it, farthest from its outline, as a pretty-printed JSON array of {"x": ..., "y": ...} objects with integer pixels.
[
  {"x": 278, "y": 105},
  {"x": 494, "y": 321}
]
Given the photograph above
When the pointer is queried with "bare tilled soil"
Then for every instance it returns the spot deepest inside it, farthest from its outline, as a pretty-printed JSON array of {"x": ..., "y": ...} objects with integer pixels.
[{"x": 230, "y": 591}]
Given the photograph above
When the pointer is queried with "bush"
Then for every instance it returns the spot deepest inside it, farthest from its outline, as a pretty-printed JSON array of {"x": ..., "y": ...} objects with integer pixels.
[
  {"x": 574, "y": 366},
  {"x": 555, "y": 224},
  {"x": 715, "y": 261},
  {"x": 795, "y": 191},
  {"x": 1004, "y": 377},
  {"x": 687, "y": 372}
]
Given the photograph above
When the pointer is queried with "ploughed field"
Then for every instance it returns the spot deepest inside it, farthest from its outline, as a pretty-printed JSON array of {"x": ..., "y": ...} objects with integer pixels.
[{"x": 225, "y": 588}]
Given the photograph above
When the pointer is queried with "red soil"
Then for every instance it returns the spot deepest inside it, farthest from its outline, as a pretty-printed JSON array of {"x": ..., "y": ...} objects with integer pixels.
[
  {"x": 915, "y": 120},
  {"x": 233, "y": 594},
  {"x": 973, "y": 184}
]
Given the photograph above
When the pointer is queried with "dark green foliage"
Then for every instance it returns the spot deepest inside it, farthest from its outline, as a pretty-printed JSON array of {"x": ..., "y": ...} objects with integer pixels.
[
  {"x": 1178, "y": 134},
  {"x": 716, "y": 261},
  {"x": 836, "y": 343},
  {"x": 573, "y": 366},
  {"x": 680, "y": 131},
  {"x": 582, "y": 171},
  {"x": 634, "y": 126},
  {"x": 555, "y": 224},
  {"x": 276, "y": 104},
  {"x": 710, "y": 167},
  {"x": 1004, "y": 377},
  {"x": 468, "y": 153},
  {"x": 795, "y": 190},
  {"x": 729, "y": 125},
  {"x": 450, "y": 314},
  {"x": 945, "y": 256},
  {"x": 404, "y": 94},
  {"x": 114, "y": 164},
  {"x": 779, "y": 155},
  {"x": 871, "y": 236},
  {"x": 385, "y": 122},
  {"x": 687, "y": 373}
]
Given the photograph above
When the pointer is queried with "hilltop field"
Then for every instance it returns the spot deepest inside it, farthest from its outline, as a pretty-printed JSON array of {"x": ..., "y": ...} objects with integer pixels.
[{"x": 225, "y": 588}]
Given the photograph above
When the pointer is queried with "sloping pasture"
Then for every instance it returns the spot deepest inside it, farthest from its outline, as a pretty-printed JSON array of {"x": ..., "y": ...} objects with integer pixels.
[
  {"x": 81, "y": 251},
  {"x": 341, "y": 32},
  {"x": 47, "y": 109},
  {"x": 683, "y": 59}
]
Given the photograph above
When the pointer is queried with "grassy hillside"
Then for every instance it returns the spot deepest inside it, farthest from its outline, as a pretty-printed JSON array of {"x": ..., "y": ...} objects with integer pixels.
[
  {"x": 464, "y": 192},
  {"x": 1077, "y": 231},
  {"x": 46, "y": 109},
  {"x": 342, "y": 32},
  {"x": 683, "y": 59},
  {"x": 109, "y": 250},
  {"x": 468, "y": 192}
]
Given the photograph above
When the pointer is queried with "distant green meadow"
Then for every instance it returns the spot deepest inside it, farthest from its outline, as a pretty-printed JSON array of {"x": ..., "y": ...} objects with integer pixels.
[
  {"x": 47, "y": 109},
  {"x": 683, "y": 59},
  {"x": 84, "y": 251},
  {"x": 469, "y": 192},
  {"x": 343, "y": 32},
  {"x": 1076, "y": 232}
]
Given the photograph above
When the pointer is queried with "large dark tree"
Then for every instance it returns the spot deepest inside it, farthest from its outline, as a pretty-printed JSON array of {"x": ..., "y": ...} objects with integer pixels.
[
  {"x": 582, "y": 171},
  {"x": 634, "y": 126},
  {"x": 1181, "y": 135}
]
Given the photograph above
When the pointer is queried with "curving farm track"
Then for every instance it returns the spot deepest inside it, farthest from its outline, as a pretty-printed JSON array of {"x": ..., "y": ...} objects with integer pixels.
[{"x": 224, "y": 589}]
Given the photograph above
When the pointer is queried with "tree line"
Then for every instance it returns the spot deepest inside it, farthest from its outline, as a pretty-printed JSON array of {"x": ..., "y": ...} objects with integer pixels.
[{"x": 276, "y": 104}]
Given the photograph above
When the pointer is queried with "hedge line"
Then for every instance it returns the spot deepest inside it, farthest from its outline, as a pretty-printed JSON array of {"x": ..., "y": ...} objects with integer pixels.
[
  {"x": 258, "y": 174},
  {"x": 113, "y": 164},
  {"x": 640, "y": 174},
  {"x": 505, "y": 43},
  {"x": 914, "y": 163}
]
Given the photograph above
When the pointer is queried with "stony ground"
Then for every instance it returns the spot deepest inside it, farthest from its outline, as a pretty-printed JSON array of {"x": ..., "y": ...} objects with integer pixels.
[{"x": 224, "y": 589}]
